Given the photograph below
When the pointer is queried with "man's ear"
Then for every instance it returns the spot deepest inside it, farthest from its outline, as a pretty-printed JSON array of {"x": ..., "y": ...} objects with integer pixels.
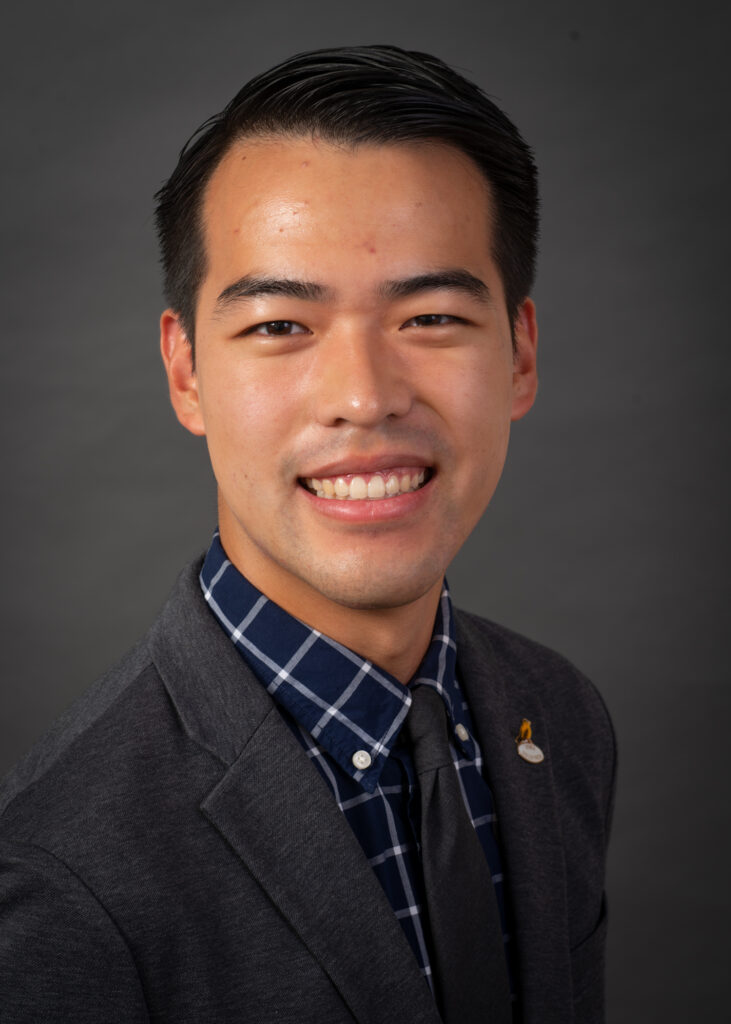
[
  {"x": 525, "y": 376},
  {"x": 177, "y": 355}
]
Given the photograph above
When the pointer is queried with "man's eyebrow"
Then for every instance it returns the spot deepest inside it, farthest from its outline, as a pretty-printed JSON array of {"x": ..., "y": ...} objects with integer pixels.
[
  {"x": 461, "y": 280},
  {"x": 253, "y": 287}
]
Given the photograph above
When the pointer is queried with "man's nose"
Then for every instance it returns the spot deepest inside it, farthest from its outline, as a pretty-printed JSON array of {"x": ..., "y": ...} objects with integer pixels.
[{"x": 362, "y": 380}]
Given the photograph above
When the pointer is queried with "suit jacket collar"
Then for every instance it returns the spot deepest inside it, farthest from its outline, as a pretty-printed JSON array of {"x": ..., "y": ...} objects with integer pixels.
[
  {"x": 273, "y": 809},
  {"x": 202, "y": 671},
  {"x": 318, "y": 877},
  {"x": 528, "y": 825}
]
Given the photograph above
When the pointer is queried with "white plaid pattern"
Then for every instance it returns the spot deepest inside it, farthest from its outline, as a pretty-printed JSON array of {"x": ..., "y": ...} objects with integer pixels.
[{"x": 336, "y": 703}]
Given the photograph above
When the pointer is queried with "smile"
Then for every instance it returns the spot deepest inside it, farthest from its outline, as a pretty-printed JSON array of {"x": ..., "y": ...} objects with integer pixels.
[{"x": 368, "y": 486}]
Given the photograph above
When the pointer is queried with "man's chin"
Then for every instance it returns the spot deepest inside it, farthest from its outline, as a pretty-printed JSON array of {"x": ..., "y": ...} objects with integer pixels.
[{"x": 385, "y": 591}]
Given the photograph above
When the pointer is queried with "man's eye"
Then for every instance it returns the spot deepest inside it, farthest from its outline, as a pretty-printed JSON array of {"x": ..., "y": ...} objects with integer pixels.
[
  {"x": 433, "y": 320},
  {"x": 277, "y": 328}
]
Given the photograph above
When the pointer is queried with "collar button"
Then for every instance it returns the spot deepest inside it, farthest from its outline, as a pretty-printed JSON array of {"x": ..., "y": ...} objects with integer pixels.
[{"x": 362, "y": 760}]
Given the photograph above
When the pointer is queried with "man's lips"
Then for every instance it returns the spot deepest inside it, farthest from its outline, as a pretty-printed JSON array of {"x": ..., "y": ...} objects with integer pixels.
[
  {"x": 381, "y": 484},
  {"x": 364, "y": 465}
]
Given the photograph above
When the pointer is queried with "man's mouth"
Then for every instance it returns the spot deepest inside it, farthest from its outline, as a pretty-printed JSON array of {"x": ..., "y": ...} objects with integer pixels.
[{"x": 388, "y": 483}]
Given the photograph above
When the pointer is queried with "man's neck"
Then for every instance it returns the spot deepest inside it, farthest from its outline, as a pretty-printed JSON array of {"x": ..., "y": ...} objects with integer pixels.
[{"x": 393, "y": 638}]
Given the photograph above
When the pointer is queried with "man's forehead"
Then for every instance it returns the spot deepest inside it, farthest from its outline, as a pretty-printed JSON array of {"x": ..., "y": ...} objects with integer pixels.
[{"x": 254, "y": 168}]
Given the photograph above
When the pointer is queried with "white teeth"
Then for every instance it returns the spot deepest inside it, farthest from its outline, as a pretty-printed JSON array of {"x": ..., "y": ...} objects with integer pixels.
[
  {"x": 358, "y": 488},
  {"x": 376, "y": 487}
]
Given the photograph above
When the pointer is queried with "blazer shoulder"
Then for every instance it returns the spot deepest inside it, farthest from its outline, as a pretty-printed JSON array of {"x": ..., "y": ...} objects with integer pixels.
[
  {"x": 557, "y": 680},
  {"x": 77, "y": 727},
  {"x": 178, "y": 709},
  {"x": 117, "y": 700}
]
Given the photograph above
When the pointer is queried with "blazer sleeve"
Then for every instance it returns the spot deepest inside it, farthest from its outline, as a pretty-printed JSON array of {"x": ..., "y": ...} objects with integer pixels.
[{"x": 61, "y": 956}]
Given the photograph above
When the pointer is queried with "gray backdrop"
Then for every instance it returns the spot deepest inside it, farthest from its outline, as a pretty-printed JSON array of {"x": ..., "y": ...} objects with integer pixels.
[{"x": 608, "y": 535}]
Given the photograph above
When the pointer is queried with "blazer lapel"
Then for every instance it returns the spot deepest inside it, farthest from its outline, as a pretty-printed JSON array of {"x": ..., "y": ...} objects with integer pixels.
[
  {"x": 528, "y": 826},
  {"x": 277, "y": 814},
  {"x": 275, "y": 811}
]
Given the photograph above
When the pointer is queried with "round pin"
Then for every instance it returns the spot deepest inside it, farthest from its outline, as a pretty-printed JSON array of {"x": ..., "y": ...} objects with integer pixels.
[
  {"x": 462, "y": 733},
  {"x": 526, "y": 747},
  {"x": 530, "y": 752}
]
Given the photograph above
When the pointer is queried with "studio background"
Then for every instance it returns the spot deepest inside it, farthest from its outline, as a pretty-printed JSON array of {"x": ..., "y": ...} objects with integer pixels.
[{"x": 608, "y": 536}]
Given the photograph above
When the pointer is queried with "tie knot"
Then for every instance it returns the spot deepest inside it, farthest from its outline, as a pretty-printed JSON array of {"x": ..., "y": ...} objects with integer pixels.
[{"x": 427, "y": 730}]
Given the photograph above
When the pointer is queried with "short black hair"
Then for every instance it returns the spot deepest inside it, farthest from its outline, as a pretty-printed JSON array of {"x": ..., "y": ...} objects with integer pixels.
[{"x": 355, "y": 95}]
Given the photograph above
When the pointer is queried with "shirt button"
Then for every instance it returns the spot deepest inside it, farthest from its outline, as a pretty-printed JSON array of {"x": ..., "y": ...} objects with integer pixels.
[
  {"x": 362, "y": 759},
  {"x": 462, "y": 733}
]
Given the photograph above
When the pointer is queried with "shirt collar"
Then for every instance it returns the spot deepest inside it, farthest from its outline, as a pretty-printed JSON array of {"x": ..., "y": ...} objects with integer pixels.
[{"x": 348, "y": 705}]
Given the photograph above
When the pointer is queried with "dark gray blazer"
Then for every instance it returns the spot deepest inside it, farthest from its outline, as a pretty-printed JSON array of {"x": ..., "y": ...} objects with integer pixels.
[{"x": 168, "y": 852}]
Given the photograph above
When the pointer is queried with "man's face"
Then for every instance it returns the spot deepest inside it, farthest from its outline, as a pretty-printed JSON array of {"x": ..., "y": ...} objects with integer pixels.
[{"x": 351, "y": 340}]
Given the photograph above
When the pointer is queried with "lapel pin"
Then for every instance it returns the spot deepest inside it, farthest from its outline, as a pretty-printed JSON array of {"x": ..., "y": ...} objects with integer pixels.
[{"x": 526, "y": 747}]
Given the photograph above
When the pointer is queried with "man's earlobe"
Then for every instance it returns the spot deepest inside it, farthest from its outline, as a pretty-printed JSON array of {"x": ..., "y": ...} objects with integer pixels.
[
  {"x": 177, "y": 356},
  {"x": 525, "y": 375}
]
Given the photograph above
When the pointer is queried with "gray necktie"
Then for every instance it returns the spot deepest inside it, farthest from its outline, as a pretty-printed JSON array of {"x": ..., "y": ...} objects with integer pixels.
[{"x": 468, "y": 954}]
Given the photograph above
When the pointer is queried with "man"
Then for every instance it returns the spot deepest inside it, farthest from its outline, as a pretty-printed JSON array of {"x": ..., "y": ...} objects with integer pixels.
[{"x": 313, "y": 792}]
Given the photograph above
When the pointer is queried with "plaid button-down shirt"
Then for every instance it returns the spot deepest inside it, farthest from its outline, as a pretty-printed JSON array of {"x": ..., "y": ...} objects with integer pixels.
[{"x": 348, "y": 714}]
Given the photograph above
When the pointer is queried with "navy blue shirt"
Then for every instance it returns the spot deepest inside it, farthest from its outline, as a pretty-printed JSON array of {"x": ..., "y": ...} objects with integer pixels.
[{"x": 347, "y": 713}]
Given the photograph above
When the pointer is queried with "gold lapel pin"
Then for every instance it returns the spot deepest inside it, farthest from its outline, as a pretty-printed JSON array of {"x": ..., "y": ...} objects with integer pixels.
[{"x": 526, "y": 747}]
